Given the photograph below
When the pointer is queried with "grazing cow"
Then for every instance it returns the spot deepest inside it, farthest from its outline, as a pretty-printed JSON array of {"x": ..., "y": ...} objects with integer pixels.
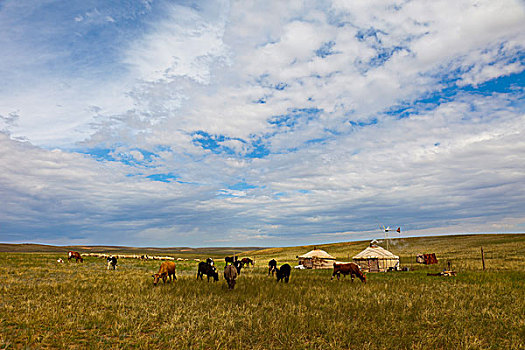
[
  {"x": 283, "y": 273},
  {"x": 348, "y": 269},
  {"x": 166, "y": 270},
  {"x": 427, "y": 259},
  {"x": 230, "y": 274},
  {"x": 247, "y": 262},
  {"x": 112, "y": 262},
  {"x": 210, "y": 262},
  {"x": 208, "y": 270},
  {"x": 59, "y": 260},
  {"x": 272, "y": 267},
  {"x": 230, "y": 259},
  {"x": 75, "y": 255}
]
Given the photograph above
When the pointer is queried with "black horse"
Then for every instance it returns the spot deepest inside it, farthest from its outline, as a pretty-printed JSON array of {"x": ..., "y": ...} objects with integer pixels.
[
  {"x": 284, "y": 273},
  {"x": 272, "y": 267},
  {"x": 230, "y": 259},
  {"x": 238, "y": 266}
]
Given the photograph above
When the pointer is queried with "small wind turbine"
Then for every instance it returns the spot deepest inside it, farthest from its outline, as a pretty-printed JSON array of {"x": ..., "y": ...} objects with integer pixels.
[{"x": 386, "y": 230}]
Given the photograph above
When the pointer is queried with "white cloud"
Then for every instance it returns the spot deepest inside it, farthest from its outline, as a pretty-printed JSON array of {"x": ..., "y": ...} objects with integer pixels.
[
  {"x": 137, "y": 155},
  {"x": 338, "y": 165},
  {"x": 183, "y": 45}
]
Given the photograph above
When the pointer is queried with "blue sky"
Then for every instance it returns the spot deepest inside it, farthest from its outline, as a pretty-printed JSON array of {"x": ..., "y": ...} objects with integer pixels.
[{"x": 180, "y": 123}]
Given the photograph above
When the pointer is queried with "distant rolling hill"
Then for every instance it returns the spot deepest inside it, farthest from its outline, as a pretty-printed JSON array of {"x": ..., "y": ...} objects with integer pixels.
[
  {"x": 463, "y": 250},
  {"x": 406, "y": 248},
  {"x": 43, "y": 248}
]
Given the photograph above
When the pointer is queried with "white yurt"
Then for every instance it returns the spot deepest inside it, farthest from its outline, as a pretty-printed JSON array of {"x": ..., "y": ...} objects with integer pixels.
[
  {"x": 317, "y": 259},
  {"x": 376, "y": 259}
]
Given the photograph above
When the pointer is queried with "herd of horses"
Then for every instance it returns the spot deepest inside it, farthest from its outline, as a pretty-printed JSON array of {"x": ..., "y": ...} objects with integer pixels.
[{"x": 232, "y": 269}]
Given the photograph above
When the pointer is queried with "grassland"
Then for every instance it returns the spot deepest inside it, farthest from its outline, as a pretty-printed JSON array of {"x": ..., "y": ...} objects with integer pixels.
[{"x": 44, "y": 304}]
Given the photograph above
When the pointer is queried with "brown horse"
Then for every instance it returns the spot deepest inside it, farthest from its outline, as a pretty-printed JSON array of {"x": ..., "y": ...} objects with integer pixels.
[
  {"x": 348, "y": 268},
  {"x": 75, "y": 255},
  {"x": 230, "y": 275}
]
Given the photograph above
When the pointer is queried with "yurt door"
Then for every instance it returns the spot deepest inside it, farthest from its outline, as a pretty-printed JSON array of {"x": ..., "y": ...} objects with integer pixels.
[{"x": 373, "y": 265}]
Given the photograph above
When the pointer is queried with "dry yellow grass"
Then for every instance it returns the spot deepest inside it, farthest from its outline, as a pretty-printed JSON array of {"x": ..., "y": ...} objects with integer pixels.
[{"x": 44, "y": 304}]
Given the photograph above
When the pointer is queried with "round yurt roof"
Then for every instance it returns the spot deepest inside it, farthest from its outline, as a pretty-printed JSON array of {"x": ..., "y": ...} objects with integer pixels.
[
  {"x": 317, "y": 253},
  {"x": 375, "y": 252}
]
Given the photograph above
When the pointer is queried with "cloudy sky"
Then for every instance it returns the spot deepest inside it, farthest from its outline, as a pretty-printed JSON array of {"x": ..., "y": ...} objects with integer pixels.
[{"x": 259, "y": 123}]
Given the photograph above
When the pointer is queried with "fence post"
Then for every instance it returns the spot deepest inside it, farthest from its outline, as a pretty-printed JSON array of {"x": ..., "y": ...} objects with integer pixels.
[{"x": 483, "y": 258}]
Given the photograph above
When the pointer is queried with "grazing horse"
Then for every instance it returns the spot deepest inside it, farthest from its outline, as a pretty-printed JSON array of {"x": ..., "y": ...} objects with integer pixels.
[
  {"x": 230, "y": 274},
  {"x": 247, "y": 262},
  {"x": 208, "y": 270},
  {"x": 351, "y": 269},
  {"x": 75, "y": 255},
  {"x": 272, "y": 267},
  {"x": 166, "y": 270},
  {"x": 283, "y": 273}
]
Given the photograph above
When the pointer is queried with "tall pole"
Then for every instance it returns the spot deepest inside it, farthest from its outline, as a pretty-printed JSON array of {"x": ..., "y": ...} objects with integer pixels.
[{"x": 483, "y": 258}]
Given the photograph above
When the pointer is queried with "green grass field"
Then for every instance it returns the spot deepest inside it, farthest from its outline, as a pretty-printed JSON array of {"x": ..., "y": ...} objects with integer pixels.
[{"x": 44, "y": 304}]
